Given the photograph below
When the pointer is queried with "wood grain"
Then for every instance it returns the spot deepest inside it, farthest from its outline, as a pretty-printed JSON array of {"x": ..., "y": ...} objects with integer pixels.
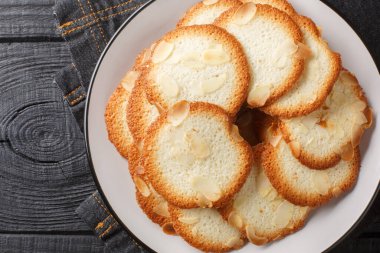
[
  {"x": 25, "y": 18},
  {"x": 24, "y": 243},
  {"x": 44, "y": 173}
]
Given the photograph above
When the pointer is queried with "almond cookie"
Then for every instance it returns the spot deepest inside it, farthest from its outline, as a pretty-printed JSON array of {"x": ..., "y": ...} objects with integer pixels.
[
  {"x": 304, "y": 186},
  {"x": 323, "y": 137},
  {"x": 322, "y": 69},
  {"x": 195, "y": 157},
  {"x": 197, "y": 63},
  {"x": 205, "y": 229},
  {"x": 272, "y": 42},
  {"x": 259, "y": 212}
]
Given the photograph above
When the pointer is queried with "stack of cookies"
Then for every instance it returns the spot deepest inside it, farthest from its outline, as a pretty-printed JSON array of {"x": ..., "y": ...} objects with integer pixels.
[{"x": 238, "y": 123}]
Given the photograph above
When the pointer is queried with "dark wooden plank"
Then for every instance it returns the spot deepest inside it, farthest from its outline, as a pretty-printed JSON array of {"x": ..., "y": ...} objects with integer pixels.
[
  {"x": 44, "y": 174},
  {"x": 25, "y": 18},
  {"x": 51, "y": 243}
]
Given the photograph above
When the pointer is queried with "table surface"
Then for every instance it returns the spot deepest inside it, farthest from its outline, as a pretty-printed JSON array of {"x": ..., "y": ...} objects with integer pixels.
[{"x": 44, "y": 173}]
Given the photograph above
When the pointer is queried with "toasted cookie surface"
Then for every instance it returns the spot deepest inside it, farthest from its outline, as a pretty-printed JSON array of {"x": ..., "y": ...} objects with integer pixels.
[
  {"x": 321, "y": 138},
  {"x": 259, "y": 212},
  {"x": 304, "y": 186},
  {"x": 140, "y": 113},
  {"x": 205, "y": 229},
  {"x": 206, "y": 12},
  {"x": 270, "y": 40},
  {"x": 282, "y": 5},
  {"x": 198, "y": 63},
  {"x": 322, "y": 69},
  {"x": 194, "y": 156},
  {"x": 115, "y": 116}
]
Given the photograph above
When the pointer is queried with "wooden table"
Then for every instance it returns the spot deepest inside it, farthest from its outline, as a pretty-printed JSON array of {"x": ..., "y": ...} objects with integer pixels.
[{"x": 44, "y": 174}]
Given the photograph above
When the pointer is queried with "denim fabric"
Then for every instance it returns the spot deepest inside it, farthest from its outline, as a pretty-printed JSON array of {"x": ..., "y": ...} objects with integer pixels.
[{"x": 87, "y": 26}]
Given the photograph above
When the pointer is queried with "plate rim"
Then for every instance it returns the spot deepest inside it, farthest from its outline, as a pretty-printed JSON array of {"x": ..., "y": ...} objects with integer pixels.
[{"x": 88, "y": 149}]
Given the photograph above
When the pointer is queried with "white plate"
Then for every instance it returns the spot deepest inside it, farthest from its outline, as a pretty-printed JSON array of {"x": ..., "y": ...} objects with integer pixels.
[{"x": 326, "y": 226}]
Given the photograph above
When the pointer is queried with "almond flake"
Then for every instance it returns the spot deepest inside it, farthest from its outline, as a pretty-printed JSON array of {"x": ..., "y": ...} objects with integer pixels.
[
  {"x": 286, "y": 49},
  {"x": 202, "y": 201},
  {"x": 253, "y": 238},
  {"x": 296, "y": 148},
  {"x": 235, "y": 242},
  {"x": 235, "y": 134},
  {"x": 361, "y": 119},
  {"x": 311, "y": 120},
  {"x": 321, "y": 182},
  {"x": 359, "y": 106},
  {"x": 178, "y": 113},
  {"x": 245, "y": 13},
  {"x": 235, "y": 220},
  {"x": 162, "y": 51},
  {"x": 274, "y": 140},
  {"x": 369, "y": 115},
  {"x": 347, "y": 152},
  {"x": 283, "y": 215},
  {"x": 188, "y": 220},
  {"x": 206, "y": 187},
  {"x": 192, "y": 60},
  {"x": 155, "y": 194},
  {"x": 337, "y": 191},
  {"x": 356, "y": 134},
  {"x": 215, "y": 56},
  {"x": 263, "y": 185},
  {"x": 162, "y": 209},
  {"x": 168, "y": 229},
  {"x": 273, "y": 195},
  {"x": 129, "y": 80},
  {"x": 303, "y": 51},
  {"x": 259, "y": 95},
  {"x": 209, "y": 2},
  {"x": 199, "y": 147},
  {"x": 282, "y": 62},
  {"x": 213, "y": 84},
  {"x": 142, "y": 187},
  {"x": 168, "y": 85}
]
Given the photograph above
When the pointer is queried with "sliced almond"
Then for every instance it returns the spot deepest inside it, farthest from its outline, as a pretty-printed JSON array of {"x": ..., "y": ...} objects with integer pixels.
[
  {"x": 235, "y": 220},
  {"x": 188, "y": 220},
  {"x": 142, "y": 187},
  {"x": 369, "y": 115},
  {"x": 282, "y": 62},
  {"x": 273, "y": 195},
  {"x": 235, "y": 133},
  {"x": 206, "y": 187},
  {"x": 286, "y": 49},
  {"x": 321, "y": 182},
  {"x": 274, "y": 140},
  {"x": 202, "y": 201},
  {"x": 311, "y": 120},
  {"x": 162, "y": 209},
  {"x": 215, "y": 56},
  {"x": 209, "y": 2},
  {"x": 168, "y": 85},
  {"x": 168, "y": 229},
  {"x": 245, "y": 13},
  {"x": 199, "y": 147},
  {"x": 129, "y": 80},
  {"x": 178, "y": 113},
  {"x": 347, "y": 152},
  {"x": 259, "y": 95},
  {"x": 337, "y": 191},
  {"x": 303, "y": 51},
  {"x": 296, "y": 148},
  {"x": 263, "y": 185},
  {"x": 361, "y": 119},
  {"x": 356, "y": 134},
  {"x": 213, "y": 84},
  {"x": 359, "y": 105},
  {"x": 283, "y": 215},
  {"x": 235, "y": 243},
  {"x": 162, "y": 51},
  {"x": 192, "y": 60},
  {"x": 253, "y": 237},
  {"x": 155, "y": 194}
]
